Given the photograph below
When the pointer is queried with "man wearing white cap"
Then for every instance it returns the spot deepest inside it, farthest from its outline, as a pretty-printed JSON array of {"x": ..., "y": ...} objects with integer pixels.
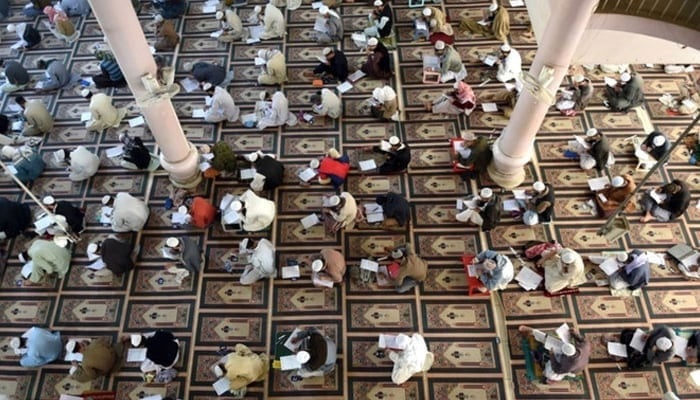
[
  {"x": 407, "y": 268},
  {"x": 242, "y": 367},
  {"x": 413, "y": 358},
  {"x": 625, "y": 95},
  {"x": 274, "y": 70},
  {"x": 231, "y": 27},
  {"x": 221, "y": 105},
  {"x": 257, "y": 213},
  {"x": 103, "y": 114},
  {"x": 495, "y": 270},
  {"x": 436, "y": 22},
  {"x": 659, "y": 346},
  {"x": 656, "y": 144},
  {"x": 329, "y": 26},
  {"x": 273, "y": 111},
  {"x": 596, "y": 151},
  {"x": 398, "y": 156},
  {"x": 329, "y": 265},
  {"x": 335, "y": 66},
  {"x": 495, "y": 22},
  {"x": 479, "y": 154},
  {"x": 566, "y": 360},
  {"x": 37, "y": 347},
  {"x": 83, "y": 164},
  {"x": 317, "y": 353},
  {"x": 26, "y": 161},
  {"x": 611, "y": 196},
  {"x": 510, "y": 65},
  {"x": 261, "y": 263},
  {"x": 269, "y": 172},
  {"x": 381, "y": 20},
  {"x": 576, "y": 97},
  {"x": 204, "y": 72},
  {"x": 129, "y": 214},
  {"x": 326, "y": 104},
  {"x": 115, "y": 254},
  {"x": 185, "y": 250},
  {"x": 47, "y": 257},
  {"x": 73, "y": 215},
  {"x": 339, "y": 212},
  {"x": 166, "y": 35},
  {"x": 451, "y": 66},
  {"x": 383, "y": 104},
  {"x": 38, "y": 120},
  {"x": 28, "y": 35},
  {"x": 378, "y": 64},
  {"x": 273, "y": 22},
  {"x": 100, "y": 358},
  {"x": 562, "y": 269},
  {"x": 634, "y": 272},
  {"x": 486, "y": 210},
  {"x": 539, "y": 208}
]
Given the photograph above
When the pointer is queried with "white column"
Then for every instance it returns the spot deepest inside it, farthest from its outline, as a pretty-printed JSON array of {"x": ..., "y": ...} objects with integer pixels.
[
  {"x": 513, "y": 149},
  {"x": 124, "y": 35}
]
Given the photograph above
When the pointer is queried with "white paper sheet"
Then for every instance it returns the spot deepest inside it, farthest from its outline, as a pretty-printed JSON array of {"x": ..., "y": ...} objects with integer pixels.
[
  {"x": 539, "y": 335},
  {"x": 255, "y": 32},
  {"x": 320, "y": 25},
  {"x": 564, "y": 332},
  {"x": 655, "y": 258},
  {"x": 216, "y": 34},
  {"x": 189, "y": 84},
  {"x": 658, "y": 197},
  {"x": 511, "y": 205},
  {"x": 221, "y": 386},
  {"x": 259, "y": 61},
  {"x": 14, "y": 107},
  {"x": 138, "y": 121},
  {"x": 307, "y": 174},
  {"x": 290, "y": 362},
  {"x": 288, "y": 343},
  {"x": 208, "y": 156},
  {"x": 198, "y": 113},
  {"x": 27, "y": 270},
  {"x": 114, "y": 151},
  {"x": 356, "y": 76},
  {"x": 344, "y": 87},
  {"x": 490, "y": 60},
  {"x": 247, "y": 174},
  {"x": 291, "y": 272},
  {"x": 136, "y": 355},
  {"x": 517, "y": 3},
  {"x": 203, "y": 166},
  {"x": 208, "y": 100},
  {"x": 489, "y": 107},
  {"x": 310, "y": 220},
  {"x": 73, "y": 357},
  {"x": 85, "y": 116},
  {"x": 368, "y": 165},
  {"x": 67, "y": 396},
  {"x": 321, "y": 282},
  {"x": 695, "y": 377},
  {"x": 248, "y": 118},
  {"x": 520, "y": 194},
  {"x": 596, "y": 184},
  {"x": 43, "y": 223},
  {"x": 638, "y": 340},
  {"x": 680, "y": 346},
  {"x": 528, "y": 279},
  {"x": 553, "y": 344},
  {"x": 374, "y": 218},
  {"x": 421, "y": 25},
  {"x": 609, "y": 266},
  {"x": 179, "y": 218},
  {"x": 154, "y": 397},
  {"x": 209, "y": 9},
  {"x": 617, "y": 349},
  {"x": 97, "y": 265},
  {"x": 369, "y": 265},
  {"x": 231, "y": 217}
]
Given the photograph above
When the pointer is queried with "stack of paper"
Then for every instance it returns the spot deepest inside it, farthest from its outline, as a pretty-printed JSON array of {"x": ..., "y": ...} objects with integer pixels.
[
  {"x": 564, "y": 332},
  {"x": 290, "y": 272},
  {"x": 511, "y": 205},
  {"x": 368, "y": 165},
  {"x": 680, "y": 346},
  {"x": 596, "y": 184},
  {"x": 216, "y": 34},
  {"x": 617, "y": 349},
  {"x": 114, "y": 151},
  {"x": 310, "y": 220},
  {"x": 85, "y": 116},
  {"x": 388, "y": 342},
  {"x": 528, "y": 279},
  {"x": 369, "y": 265},
  {"x": 307, "y": 174},
  {"x": 189, "y": 84},
  {"x": 520, "y": 194},
  {"x": 138, "y": 121},
  {"x": 609, "y": 266}
]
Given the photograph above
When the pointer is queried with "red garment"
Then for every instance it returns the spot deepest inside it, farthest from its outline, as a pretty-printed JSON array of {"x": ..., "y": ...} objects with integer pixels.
[
  {"x": 202, "y": 212},
  {"x": 434, "y": 37},
  {"x": 331, "y": 166}
]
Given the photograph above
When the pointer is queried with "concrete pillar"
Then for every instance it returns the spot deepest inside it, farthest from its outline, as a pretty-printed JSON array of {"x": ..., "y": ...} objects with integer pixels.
[
  {"x": 126, "y": 39},
  {"x": 513, "y": 149}
]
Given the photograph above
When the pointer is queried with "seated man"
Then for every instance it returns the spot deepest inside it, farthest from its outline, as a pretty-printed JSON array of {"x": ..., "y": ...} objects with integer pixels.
[
  {"x": 479, "y": 153},
  {"x": 495, "y": 270},
  {"x": 256, "y": 213},
  {"x": 496, "y": 22},
  {"x": 436, "y": 23},
  {"x": 74, "y": 216},
  {"x": 596, "y": 151},
  {"x": 103, "y": 115},
  {"x": 670, "y": 203},
  {"x": 136, "y": 154},
  {"x": 273, "y": 111},
  {"x": 38, "y": 119},
  {"x": 329, "y": 265},
  {"x": 16, "y": 76},
  {"x": 659, "y": 346},
  {"x": 242, "y": 367},
  {"x": 222, "y": 107},
  {"x": 575, "y": 99},
  {"x": 411, "y": 269},
  {"x": 231, "y": 26},
  {"x": 110, "y": 73},
  {"x": 565, "y": 361},
  {"x": 378, "y": 64},
  {"x": 562, "y": 269},
  {"x": 656, "y": 144},
  {"x": 383, "y": 104},
  {"x": 461, "y": 100},
  {"x": 274, "y": 71},
  {"x": 129, "y": 214},
  {"x": 28, "y": 35},
  {"x": 99, "y": 359},
  {"x": 269, "y": 172},
  {"x": 162, "y": 350},
  {"x": 83, "y": 164},
  {"x": 333, "y": 168},
  {"x": 201, "y": 211},
  {"x": 509, "y": 66},
  {"x": 634, "y": 272},
  {"x": 60, "y": 25},
  {"x": 317, "y": 353},
  {"x": 204, "y": 72},
  {"x": 116, "y": 255},
  {"x": 451, "y": 66},
  {"x": 186, "y": 252},
  {"x": 398, "y": 156},
  {"x": 170, "y": 9},
  {"x": 261, "y": 263},
  {"x": 47, "y": 257},
  {"x": 335, "y": 68},
  {"x": 57, "y": 76},
  {"x": 395, "y": 207},
  {"x": 381, "y": 20},
  {"x": 609, "y": 198},
  {"x": 37, "y": 347},
  {"x": 26, "y": 161},
  {"x": 332, "y": 29},
  {"x": 414, "y": 358},
  {"x": 273, "y": 22},
  {"x": 540, "y": 208},
  {"x": 339, "y": 213},
  {"x": 626, "y": 94},
  {"x": 483, "y": 210},
  {"x": 326, "y": 103},
  {"x": 15, "y": 218},
  {"x": 166, "y": 35}
]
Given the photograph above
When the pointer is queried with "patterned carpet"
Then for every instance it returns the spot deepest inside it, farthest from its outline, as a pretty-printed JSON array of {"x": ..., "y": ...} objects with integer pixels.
[{"x": 213, "y": 310}]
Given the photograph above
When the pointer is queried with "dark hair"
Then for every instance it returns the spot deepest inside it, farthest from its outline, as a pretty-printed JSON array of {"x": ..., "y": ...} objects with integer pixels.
[{"x": 20, "y": 100}]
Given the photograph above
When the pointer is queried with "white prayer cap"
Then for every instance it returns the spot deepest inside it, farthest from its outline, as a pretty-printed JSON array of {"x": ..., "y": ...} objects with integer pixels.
[
  {"x": 625, "y": 77},
  {"x": 378, "y": 3},
  {"x": 493, "y": 7},
  {"x": 372, "y": 42},
  {"x": 48, "y": 200},
  {"x": 219, "y": 15},
  {"x": 106, "y": 199},
  {"x": 60, "y": 241},
  {"x": 394, "y": 140},
  {"x": 70, "y": 346},
  {"x": 262, "y": 95},
  {"x": 333, "y": 153},
  {"x": 92, "y": 248},
  {"x": 505, "y": 47},
  {"x": 489, "y": 264},
  {"x": 15, "y": 342},
  {"x": 136, "y": 340},
  {"x": 659, "y": 141},
  {"x": 618, "y": 181},
  {"x": 8, "y": 152},
  {"x": 252, "y": 157},
  {"x": 206, "y": 86},
  {"x": 427, "y": 11},
  {"x": 591, "y": 132},
  {"x": 317, "y": 265},
  {"x": 402, "y": 341},
  {"x": 72, "y": 370},
  {"x": 568, "y": 349},
  {"x": 205, "y": 148},
  {"x": 397, "y": 253},
  {"x": 257, "y": 9},
  {"x": 568, "y": 256},
  {"x": 538, "y": 186},
  {"x": 622, "y": 257},
  {"x": 389, "y": 93},
  {"x": 172, "y": 242},
  {"x": 486, "y": 193},
  {"x": 236, "y": 205},
  {"x": 327, "y": 51},
  {"x": 378, "y": 94},
  {"x": 85, "y": 92},
  {"x": 303, "y": 357},
  {"x": 218, "y": 371},
  {"x": 664, "y": 343},
  {"x": 578, "y": 78},
  {"x": 463, "y": 216},
  {"x": 468, "y": 135},
  {"x": 159, "y": 18},
  {"x": 323, "y": 10},
  {"x": 11, "y": 27},
  {"x": 182, "y": 210},
  {"x": 258, "y": 182},
  {"x": 314, "y": 163},
  {"x": 334, "y": 201},
  {"x": 439, "y": 45}
]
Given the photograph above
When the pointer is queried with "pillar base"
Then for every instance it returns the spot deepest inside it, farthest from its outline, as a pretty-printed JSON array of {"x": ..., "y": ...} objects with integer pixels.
[
  {"x": 184, "y": 173},
  {"x": 506, "y": 171}
]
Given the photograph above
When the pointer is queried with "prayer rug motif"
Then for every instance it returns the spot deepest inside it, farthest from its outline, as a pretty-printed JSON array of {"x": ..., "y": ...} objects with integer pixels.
[
  {"x": 229, "y": 328},
  {"x": 601, "y": 308},
  {"x": 465, "y": 388},
  {"x": 465, "y": 354},
  {"x": 613, "y": 385},
  {"x": 292, "y": 300},
  {"x": 17, "y": 385},
  {"x": 365, "y": 356},
  {"x": 174, "y": 315},
  {"x": 442, "y": 316},
  {"x": 227, "y": 293},
  {"x": 381, "y": 315}
]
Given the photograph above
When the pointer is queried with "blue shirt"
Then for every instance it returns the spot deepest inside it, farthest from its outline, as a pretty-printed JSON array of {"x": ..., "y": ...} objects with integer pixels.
[
  {"x": 42, "y": 346},
  {"x": 112, "y": 69}
]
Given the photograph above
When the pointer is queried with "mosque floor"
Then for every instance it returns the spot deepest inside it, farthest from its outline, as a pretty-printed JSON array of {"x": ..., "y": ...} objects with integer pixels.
[{"x": 211, "y": 309}]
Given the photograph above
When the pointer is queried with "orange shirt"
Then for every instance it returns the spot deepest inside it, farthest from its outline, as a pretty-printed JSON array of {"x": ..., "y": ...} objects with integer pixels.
[{"x": 203, "y": 213}]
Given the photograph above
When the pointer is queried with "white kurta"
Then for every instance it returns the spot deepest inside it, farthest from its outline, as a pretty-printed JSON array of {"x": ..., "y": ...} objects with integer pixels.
[
  {"x": 511, "y": 67},
  {"x": 415, "y": 358},
  {"x": 129, "y": 213},
  {"x": 103, "y": 114},
  {"x": 273, "y": 22},
  {"x": 222, "y": 107},
  {"x": 276, "y": 114},
  {"x": 259, "y": 212},
  {"x": 330, "y": 104},
  {"x": 83, "y": 164}
]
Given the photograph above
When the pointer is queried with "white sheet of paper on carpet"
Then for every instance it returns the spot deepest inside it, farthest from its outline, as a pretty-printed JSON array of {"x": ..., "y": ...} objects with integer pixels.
[
  {"x": 388, "y": 342},
  {"x": 179, "y": 218},
  {"x": 43, "y": 223},
  {"x": 490, "y": 60},
  {"x": 27, "y": 269},
  {"x": 321, "y": 282},
  {"x": 290, "y": 362},
  {"x": 247, "y": 174},
  {"x": 259, "y": 61},
  {"x": 208, "y": 156},
  {"x": 154, "y": 397},
  {"x": 680, "y": 346},
  {"x": 596, "y": 184},
  {"x": 517, "y": 3},
  {"x": 216, "y": 34},
  {"x": 136, "y": 355},
  {"x": 189, "y": 84},
  {"x": 373, "y": 218},
  {"x": 489, "y": 107},
  {"x": 96, "y": 265},
  {"x": 695, "y": 377},
  {"x": 483, "y": 23},
  {"x": 67, "y": 396},
  {"x": 356, "y": 76},
  {"x": 369, "y": 265},
  {"x": 520, "y": 194},
  {"x": 655, "y": 258},
  {"x": 290, "y": 272},
  {"x": 14, "y": 107},
  {"x": 307, "y": 174},
  {"x": 528, "y": 279},
  {"x": 638, "y": 340},
  {"x": 288, "y": 343},
  {"x": 344, "y": 87},
  {"x": 198, "y": 113},
  {"x": 248, "y": 118},
  {"x": 208, "y": 9},
  {"x": 610, "y": 81},
  {"x": 138, "y": 121},
  {"x": 564, "y": 332},
  {"x": 231, "y": 217},
  {"x": 255, "y": 31},
  {"x": 609, "y": 266},
  {"x": 431, "y": 62},
  {"x": 511, "y": 205},
  {"x": 368, "y": 165},
  {"x": 310, "y": 220},
  {"x": 114, "y": 151},
  {"x": 617, "y": 349},
  {"x": 221, "y": 386},
  {"x": 85, "y": 116}
]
